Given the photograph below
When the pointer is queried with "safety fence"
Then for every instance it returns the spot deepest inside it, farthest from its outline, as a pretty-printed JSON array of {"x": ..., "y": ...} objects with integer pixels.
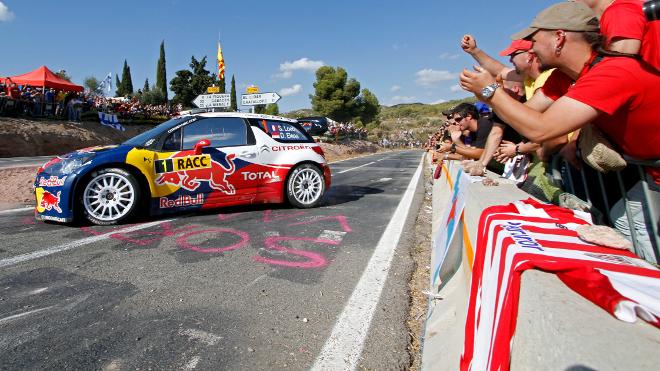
[{"x": 621, "y": 199}]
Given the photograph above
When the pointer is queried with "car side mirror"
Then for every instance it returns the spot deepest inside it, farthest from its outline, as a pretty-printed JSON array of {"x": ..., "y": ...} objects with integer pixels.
[{"x": 201, "y": 144}]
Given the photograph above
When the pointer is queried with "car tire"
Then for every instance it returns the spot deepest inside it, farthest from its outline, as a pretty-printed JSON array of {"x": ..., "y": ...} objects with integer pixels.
[
  {"x": 110, "y": 196},
  {"x": 305, "y": 186}
]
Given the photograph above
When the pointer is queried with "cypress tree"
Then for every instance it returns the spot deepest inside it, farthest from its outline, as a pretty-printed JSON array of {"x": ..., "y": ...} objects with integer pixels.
[
  {"x": 126, "y": 80},
  {"x": 234, "y": 103},
  {"x": 118, "y": 92},
  {"x": 161, "y": 74},
  {"x": 145, "y": 89}
]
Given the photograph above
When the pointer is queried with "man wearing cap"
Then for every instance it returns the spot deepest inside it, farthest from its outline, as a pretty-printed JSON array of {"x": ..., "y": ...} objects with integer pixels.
[
  {"x": 528, "y": 66},
  {"x": 619, "y": 95},
  {"x": 626, "y": 28}
]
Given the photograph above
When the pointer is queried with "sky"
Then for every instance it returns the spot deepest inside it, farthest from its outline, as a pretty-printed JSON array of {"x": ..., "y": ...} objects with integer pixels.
[{"x": 403, "y": 52}]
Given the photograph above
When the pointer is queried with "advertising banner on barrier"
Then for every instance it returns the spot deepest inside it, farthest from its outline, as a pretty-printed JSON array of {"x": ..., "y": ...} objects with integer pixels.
[{"x": 448, "y": 226}]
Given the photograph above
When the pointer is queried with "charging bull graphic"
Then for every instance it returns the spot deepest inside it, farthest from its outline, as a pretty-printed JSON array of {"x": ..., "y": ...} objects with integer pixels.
[
  {"x": 50, "y": 201},
  {"x": 187, "y": 170}
]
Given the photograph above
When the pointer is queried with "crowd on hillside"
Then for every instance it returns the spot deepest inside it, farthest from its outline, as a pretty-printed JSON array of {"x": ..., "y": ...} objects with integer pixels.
[
  {"x": 26, "y": 100},
  {"x": 343, "y": 129},
  {"x": 578, "y": 80}
]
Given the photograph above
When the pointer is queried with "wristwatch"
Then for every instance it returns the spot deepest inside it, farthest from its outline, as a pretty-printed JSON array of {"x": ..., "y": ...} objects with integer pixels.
[{"x": 489, "y": 90}]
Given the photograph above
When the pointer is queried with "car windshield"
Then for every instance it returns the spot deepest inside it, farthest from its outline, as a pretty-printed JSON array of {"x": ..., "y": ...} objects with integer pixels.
[{"x": 141, "y": 139}]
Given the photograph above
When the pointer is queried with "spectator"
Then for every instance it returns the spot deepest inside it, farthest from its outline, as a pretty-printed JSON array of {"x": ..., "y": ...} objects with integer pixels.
[
  {"x": 618, "y": 95},
  {"x": 467, "y": 118},
  {"x": 626, "y": 28}
]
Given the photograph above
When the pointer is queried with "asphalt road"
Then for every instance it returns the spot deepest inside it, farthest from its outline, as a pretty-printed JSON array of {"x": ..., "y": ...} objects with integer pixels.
[
  {"x": 252, "y": 288},
  {"x": 10, "y": 162}
]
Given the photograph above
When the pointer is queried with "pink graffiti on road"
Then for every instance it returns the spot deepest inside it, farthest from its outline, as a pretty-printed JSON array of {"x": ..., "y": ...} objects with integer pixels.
[
  {"x": 312, "y": 259},
  {"x": 183, "y": 241},
  {"x": 164, "y": 231},
  {"x": 291, "y": 258},
  {"x": 340, "y": 219}
]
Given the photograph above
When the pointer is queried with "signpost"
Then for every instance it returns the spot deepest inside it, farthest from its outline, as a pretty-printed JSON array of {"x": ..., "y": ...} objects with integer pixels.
[
  {"x": 212, "y": 101},
  {"x": 213, "y": 89},
  {"x": 252, "y": 89},
  {"x": 259, "y": 99}
]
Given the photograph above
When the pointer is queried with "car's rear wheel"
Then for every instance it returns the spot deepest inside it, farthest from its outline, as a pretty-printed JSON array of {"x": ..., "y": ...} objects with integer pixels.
[
  {"x": 110, "y": 196},
  {"x": 305, "y": 186}
]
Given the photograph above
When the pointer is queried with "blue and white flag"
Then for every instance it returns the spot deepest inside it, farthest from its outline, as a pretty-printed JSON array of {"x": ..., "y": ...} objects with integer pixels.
[
  {"x": 110, "y": 120},
  {"x": 105, "y": 84}
]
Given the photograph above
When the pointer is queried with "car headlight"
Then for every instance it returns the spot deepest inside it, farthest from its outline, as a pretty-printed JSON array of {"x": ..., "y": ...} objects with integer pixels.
[{"x": 70, "y": 165}]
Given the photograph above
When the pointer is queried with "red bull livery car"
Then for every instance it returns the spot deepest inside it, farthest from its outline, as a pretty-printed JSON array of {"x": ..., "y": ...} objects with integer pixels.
[{"x": 192, "y": 162}]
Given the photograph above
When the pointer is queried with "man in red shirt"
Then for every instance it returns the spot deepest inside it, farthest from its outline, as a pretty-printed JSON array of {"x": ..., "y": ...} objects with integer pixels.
[
  {"x": 617, "y": 94},
  {"x": 626, "y": 28}
]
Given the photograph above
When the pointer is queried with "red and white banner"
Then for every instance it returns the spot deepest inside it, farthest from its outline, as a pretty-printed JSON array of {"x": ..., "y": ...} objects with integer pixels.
[{"x": 531, "y": 235}]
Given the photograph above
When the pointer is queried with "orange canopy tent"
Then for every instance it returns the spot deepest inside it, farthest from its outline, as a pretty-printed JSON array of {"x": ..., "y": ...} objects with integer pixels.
[{"x": 42, "y": 76}]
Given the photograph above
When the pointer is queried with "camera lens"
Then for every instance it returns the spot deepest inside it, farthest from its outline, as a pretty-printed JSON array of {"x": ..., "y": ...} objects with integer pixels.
[{"x": 651, "y": 10}]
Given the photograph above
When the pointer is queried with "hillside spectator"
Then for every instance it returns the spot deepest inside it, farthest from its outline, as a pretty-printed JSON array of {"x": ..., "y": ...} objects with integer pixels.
[{"x": 618, "y": 95}]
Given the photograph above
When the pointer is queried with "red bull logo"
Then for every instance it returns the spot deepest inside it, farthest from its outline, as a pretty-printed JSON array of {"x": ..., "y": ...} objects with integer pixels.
[
  {"x": 198, "y": 168},
  {"x": 50, "y": 201}
]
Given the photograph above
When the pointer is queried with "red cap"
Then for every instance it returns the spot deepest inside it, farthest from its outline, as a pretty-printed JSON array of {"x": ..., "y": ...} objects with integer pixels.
[{"x": 517, "y": 45}]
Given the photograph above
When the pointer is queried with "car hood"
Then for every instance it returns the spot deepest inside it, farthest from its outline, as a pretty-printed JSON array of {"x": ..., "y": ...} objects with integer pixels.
[{"x": 92, "y": 155}]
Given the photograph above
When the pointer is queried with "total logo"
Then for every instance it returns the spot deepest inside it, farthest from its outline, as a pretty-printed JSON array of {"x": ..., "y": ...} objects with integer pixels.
[
  {"x": 165, "y": 202},
  {"x": 266, "y": 175},
  {"x": 53, "y": 181}
]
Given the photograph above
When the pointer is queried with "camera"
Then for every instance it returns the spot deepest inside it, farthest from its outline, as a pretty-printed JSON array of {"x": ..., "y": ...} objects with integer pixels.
[{"x": 651, "y": 9}]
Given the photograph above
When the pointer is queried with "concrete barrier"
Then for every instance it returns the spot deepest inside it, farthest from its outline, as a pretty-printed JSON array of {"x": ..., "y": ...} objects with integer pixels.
[{"x": 557, "y": 329}]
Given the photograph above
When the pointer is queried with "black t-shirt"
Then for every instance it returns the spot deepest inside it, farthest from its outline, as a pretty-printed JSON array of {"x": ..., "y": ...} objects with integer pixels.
[
  {"x": 509, "y": 133},
  {"x": 483, "y": 129}
]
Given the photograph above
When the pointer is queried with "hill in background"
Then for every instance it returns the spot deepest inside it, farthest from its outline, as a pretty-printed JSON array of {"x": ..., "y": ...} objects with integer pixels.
[{"x": 416, "y": 120}]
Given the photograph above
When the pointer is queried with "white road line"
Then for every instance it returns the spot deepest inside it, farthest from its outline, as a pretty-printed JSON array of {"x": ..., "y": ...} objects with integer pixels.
[
  {"x": 71, "y": 245},
  {"x": 16, "y": 316},
  {"x": 343, "y": 348},
  {"x": 357, "y": 167},
  {"x": 11, "y": 211}
]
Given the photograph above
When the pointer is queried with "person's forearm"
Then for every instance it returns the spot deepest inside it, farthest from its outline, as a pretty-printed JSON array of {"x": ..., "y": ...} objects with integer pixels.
[
  {"x": 493, "y": 66},
  {"x": 470, "y": 152},
  {"x": 492, "y": 142},
  {"x": 528, "y": 147},
  {"x": 526, "y": 121}
]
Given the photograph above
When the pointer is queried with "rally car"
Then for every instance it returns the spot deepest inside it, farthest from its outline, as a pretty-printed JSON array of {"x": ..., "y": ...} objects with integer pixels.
[{"x": 196, "y": 161}]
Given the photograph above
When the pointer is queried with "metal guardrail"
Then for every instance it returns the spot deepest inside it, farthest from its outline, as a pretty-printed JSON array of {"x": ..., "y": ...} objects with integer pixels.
[{"x": 561, "y": 171}]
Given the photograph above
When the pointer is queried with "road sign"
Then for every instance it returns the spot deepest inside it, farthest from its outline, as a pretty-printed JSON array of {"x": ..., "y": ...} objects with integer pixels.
[
  {"x": 252, "y": 89},
  {"x": 213, "y": 89},
  {"x": 212, "y": 100},
  {"x": 259, "y": 99}
]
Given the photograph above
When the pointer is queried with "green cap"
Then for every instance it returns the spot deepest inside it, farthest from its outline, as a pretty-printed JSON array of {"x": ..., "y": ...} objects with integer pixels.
[{"x": 567, "y": 16}]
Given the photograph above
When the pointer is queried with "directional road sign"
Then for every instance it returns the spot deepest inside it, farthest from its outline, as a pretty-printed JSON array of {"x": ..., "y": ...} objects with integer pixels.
[
  {"x": 212, "y": 100},
  {"x": 258, "y": 99}
]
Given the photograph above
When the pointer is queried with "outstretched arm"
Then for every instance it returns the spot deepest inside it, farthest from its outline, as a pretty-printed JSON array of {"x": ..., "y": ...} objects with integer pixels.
[
  {"x": 535, "y": 126},
  {"x": 493, "y": 66}
]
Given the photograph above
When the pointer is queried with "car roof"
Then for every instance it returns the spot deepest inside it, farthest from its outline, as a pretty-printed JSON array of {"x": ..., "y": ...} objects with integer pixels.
[{"x": 237, "y": 114}]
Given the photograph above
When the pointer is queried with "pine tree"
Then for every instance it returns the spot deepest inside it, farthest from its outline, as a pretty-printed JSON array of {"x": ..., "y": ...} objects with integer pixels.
[
  {"x": 126, "y": 80},
  {"x": 118, "y": 92},
  {"x": 234, "y": 103},
  {"x": 161, "y": 74},
  {"x": 145, "y": 89}
]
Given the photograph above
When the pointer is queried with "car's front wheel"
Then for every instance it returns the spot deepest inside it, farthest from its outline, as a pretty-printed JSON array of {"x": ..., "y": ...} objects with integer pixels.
[
  {"x": 305, "y": 186},
  {"x": 110, "y": 196}
]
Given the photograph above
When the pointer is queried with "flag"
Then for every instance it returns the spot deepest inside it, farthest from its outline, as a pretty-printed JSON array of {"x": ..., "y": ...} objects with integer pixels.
[
  {"x": 221, "y": 63},
  {"x": 105, "y": 84},
  {"x": 110, "y": 120},
  {"x": 530, "y": 235}
]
